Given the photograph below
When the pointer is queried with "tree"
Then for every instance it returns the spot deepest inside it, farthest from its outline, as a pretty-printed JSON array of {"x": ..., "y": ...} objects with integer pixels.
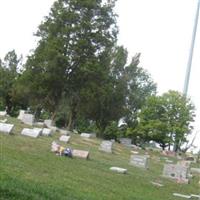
[
  {"x": 166, "y": 119},
  {"x": 75, "y": 41},
  {"x": 139, "y": 87},
  {"x": 8, "y": 76}
]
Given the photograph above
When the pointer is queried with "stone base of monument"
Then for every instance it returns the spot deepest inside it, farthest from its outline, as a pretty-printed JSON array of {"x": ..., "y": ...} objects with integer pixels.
[
  {"x": 80, "y": 154},
  {"x": 119, "y": 170},
  {"x": 46, "y": 132}
]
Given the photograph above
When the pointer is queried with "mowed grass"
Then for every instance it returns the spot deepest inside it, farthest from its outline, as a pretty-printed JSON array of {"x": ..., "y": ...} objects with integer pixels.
[{"x": 29, "y": 170}]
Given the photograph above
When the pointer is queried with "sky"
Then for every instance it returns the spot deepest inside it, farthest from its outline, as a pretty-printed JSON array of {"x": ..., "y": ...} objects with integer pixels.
[{"x": 160, "y": 30}]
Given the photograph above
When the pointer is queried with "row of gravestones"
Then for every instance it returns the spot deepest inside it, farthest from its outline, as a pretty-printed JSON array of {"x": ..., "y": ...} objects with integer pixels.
[{"x": 178, "y": 171}]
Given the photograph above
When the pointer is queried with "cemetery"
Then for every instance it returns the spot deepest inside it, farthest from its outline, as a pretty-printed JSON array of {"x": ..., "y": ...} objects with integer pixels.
[{"x": 121, "y": 163}]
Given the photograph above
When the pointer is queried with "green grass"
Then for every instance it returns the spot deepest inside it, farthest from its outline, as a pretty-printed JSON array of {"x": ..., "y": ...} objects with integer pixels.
[{"x": 29, "y": 170}]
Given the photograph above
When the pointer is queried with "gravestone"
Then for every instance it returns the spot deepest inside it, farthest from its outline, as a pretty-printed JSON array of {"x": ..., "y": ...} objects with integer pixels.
[
  {"x": 125, "y": 141},
  {"x": 35, "y": 132},
  {"x": 48, "y": 123},
  {"x": 6, "y": 128},
  {"x": 195, "y": 170},
  {"x": 184, "y": 163},
  {"x": 28, "y": 119},
  {"x": 139, "y": 161},
  {"x": 119, "y": 170},
  {"x": 46, "y": 132},
  {"x": 177, "y": 172},
  {"x": 3, "y": 113},
  {"x": 64, "y": 138},
  {"x": 87, "y": 135},
  {"x": 64, "y": 132},
  {"x": 106, "y": 146},
  {"x": 21, "y": 113},
  {"x": 80, "y": 154}
]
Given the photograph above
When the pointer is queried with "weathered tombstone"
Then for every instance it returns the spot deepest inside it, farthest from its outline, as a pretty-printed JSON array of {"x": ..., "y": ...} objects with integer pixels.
[
  {"x": 21, "y": 113},
  {"x": 35, "y": 132},
  {"x": 139, "y": 161},
  {"x": 64, "y": 132},
  {"x": 6, "y": 128},
  {"x": 106, "y": 146},
  {"x": 80, "y": 154},
  {"x": 28, "y": 119},
  {"x": 64, "y": 138},
  {"x": 125, "y": 141},
  {"x": 48, "y": 123},
  {"x": 3, "y": 113},
  {"x": 177, "y": 172},
  {"x": 119, "y": 170},
  {"x": 39, "y": 123},
  {"x": 46, "y": 131},
  {"x": 87, "y": 135}
]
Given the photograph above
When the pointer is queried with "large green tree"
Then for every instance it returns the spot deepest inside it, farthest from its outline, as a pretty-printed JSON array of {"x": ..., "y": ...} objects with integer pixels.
[
  {"x": 73, "y": 53},
  {"x": 9, "y": 72},
  {"x": 166, "y": 119}
]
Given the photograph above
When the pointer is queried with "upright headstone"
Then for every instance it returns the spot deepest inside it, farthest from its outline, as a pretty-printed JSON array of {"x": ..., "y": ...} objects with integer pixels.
[
  {"x": 21, "y": 113},
  {"x": 46, "y": 131},
  {"x": 80, "y": 154},
  {"x": 139, "y": 161},
  {"x": 6, "y": 128},
  {"x": 177, "y": 172},
  {"x": 35, "y": 132},
  {"x": 106, "y": 146},
  {"x": 3, "y": 113},
  {"x": 28, "y": 119},
  {"x": 48, "y": 123},
  {"x": 125, "y": 141}
]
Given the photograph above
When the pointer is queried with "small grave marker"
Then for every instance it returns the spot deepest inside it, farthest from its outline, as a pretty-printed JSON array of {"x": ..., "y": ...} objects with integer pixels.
[
  {"x": 35, "y": 132},
  {"x": 119, "y": 170},
  {"x": 139, "y": 161},
  {"x": 6, "y": 128},
  {"x": 80, "y": 154},
  {"x": 64, "y": 138},
  {"x": 106, "y": 146}
]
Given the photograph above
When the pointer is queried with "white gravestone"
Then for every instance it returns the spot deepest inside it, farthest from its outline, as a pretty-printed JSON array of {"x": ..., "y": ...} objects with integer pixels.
[
  {"x": 3, "y": 113},
  {"x": 64, "y": 138},
  {"x": 119, "y": 170},
  {"x": 28, "y": 119},
  {"x": 178, "y": 172},
  {"x": 139, "y": 161},
  {"x": 87, "y": 135},
  {"x": 21, "y": 113},
  {"x": 35, "y": 132},
  {"x": 46, "y": 131},
  {"x": 6, "y": 128},
  {"x": 125, "y": 141},
  {"x": 48, "y": 122},
  {"x": 106, "y": 146}
]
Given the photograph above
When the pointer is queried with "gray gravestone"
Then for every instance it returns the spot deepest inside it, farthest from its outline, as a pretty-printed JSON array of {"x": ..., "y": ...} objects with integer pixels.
[
  {"x": 119, "y": 170},
  {"x": 125, "y": 141},
  {"x": 80, "y": 154},
  {"x": 46, "y": 131},
  {"x": 87, "y": 135},
  {"x": 6, "y": 128},
  {"x": 48, "y": 123},
  {"x": 3, "y": 113},
  {"x": 106, "y": 146},
  {"x": 21, "y": 113},
  {"x": 139, "y": 161},
  {"x": 176, "y": 171},
  {"x": 28, "y": 119},
  {"x": 35, "y": 132}
]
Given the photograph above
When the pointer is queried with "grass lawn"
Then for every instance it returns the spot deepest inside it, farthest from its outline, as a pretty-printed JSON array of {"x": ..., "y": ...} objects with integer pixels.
[{"x": 29, "y": 170}]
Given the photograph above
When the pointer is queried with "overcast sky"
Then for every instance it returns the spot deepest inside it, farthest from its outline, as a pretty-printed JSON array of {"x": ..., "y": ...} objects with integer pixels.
[{"x": 160, "y": 30}]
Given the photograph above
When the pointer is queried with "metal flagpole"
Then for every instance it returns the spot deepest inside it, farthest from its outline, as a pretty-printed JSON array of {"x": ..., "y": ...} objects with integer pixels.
[{"x": 189, "y": 64}]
